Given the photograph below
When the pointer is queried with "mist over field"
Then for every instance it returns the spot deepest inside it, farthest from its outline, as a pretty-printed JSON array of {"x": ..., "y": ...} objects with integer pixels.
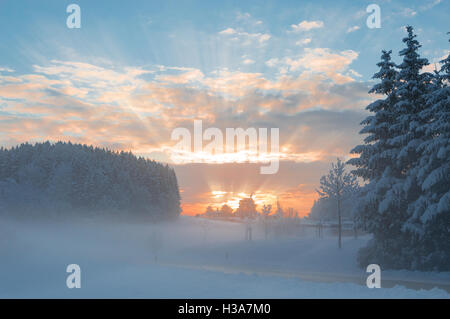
[{"x": 189, "y": 258}]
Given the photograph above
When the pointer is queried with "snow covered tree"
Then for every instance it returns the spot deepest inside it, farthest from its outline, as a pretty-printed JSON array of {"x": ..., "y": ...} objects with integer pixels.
[
  {"x": 408, "y": 133},
  {"x": 430, "y": 214},
  {"x": 64, "y": 178},
  {"x": 404, "y": 161},
  {"x": 375, "y": 154},
  {"x": 376, "y": 164},
  {"x": 336, "y": 186},
  {"x": 394, "y": 244}
]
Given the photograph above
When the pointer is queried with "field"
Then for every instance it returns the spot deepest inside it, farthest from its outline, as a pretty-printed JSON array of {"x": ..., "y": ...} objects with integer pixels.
[{"x": 191, "y": 258}]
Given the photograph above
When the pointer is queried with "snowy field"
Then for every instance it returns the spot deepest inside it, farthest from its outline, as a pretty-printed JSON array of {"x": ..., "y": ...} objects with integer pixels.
[{"x": 191, "y": 258}]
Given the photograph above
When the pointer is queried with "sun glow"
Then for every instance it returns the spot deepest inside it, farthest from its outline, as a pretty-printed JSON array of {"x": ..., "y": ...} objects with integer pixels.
[{"x": 232, "y": 199}]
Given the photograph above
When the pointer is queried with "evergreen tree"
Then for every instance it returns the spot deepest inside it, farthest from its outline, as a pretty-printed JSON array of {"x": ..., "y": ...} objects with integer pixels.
[
  {"x": 62, "y": 178},
  {"x": 404, "y": 160},
  {"x": 406, "y": 136},
  {"x": 375, "y": 155},
  {"x": 430, "y": 213}
]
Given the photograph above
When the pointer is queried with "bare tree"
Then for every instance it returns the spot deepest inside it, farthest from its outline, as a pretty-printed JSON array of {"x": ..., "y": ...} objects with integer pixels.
[{"x": 336, "y": 186}]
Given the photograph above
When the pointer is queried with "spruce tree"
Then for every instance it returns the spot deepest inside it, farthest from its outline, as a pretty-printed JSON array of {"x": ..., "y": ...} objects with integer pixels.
[
  {"x": 390, "y": 158},
  {"x": 430, "y": 213},
  {"x": 377, "y": 166},
  {"x": 374, "y": 154}
]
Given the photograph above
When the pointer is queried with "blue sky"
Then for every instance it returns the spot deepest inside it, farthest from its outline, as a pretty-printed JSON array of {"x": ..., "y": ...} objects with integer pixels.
[
  {"x": 136, "y": 70},
  {"x": 184, "y": 33}
]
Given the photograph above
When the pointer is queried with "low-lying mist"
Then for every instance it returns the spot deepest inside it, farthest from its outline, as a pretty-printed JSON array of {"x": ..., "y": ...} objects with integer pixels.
[{"x": 186, "y": 258}]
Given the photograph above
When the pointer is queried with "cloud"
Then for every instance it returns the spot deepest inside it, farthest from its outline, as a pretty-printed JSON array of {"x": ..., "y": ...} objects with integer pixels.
[
  {"x": 248, "y": 61},
  {"x": 243, "y": 16},
  {"x": 306, "y": 26},
  {"x": 318, "y": 60},
  {"x": 354, "y": 73},
  {"x": 247, "y": 19},
  {"x": 435, "y": 63},
  {"x": 246, "y": 37},
  {"x": 133, "y": 108},
  {"x": 408, "y": 12},
  {"x": 324, "y": 60},
  {"x": 273, "y": 62},
  {"x": 6, "y": 69},
  {"x": 263, "y": 37},
  {"x": 303, "y": 41},
  {"x": 117, "y": 107},
  {"x": 353, "y": 29},
  {"x": 188, "y": 75},
  {"x": 228, "y": 31}
]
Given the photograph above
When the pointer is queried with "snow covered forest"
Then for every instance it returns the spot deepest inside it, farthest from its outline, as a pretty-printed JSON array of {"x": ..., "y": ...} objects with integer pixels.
[
  {"x": 405, "y": 202},
  {"x": 398, "y": 194},
  {"x": 66, "y": 180}
]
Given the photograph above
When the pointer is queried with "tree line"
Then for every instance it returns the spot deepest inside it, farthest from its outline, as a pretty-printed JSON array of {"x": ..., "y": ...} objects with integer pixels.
[{"x": 61, "y": 179}]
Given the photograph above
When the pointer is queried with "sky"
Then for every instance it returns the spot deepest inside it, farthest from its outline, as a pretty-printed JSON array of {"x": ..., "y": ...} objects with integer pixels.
[{"x": 135, "y": 71}]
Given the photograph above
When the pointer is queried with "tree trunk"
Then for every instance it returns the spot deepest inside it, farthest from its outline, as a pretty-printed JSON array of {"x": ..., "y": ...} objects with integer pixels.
[{"x": 339, "y": 224}]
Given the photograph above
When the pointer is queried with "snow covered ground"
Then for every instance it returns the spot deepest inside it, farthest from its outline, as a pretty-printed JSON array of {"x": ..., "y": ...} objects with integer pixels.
[{"x": 191, "y": 258}]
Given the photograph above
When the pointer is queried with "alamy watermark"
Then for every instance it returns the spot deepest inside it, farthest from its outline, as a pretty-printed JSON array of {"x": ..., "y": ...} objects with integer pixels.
[
  {"x": 74, "y": 19},
  {"x": 374, "y": 279},
  {"x": 74, "y": 279},
  {"x": 374, "y": 19},
  {"x": 236, "y": 141}
]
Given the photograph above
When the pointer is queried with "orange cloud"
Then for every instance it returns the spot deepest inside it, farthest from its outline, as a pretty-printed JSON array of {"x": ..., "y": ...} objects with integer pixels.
[{"x": 136, "y": 109}]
